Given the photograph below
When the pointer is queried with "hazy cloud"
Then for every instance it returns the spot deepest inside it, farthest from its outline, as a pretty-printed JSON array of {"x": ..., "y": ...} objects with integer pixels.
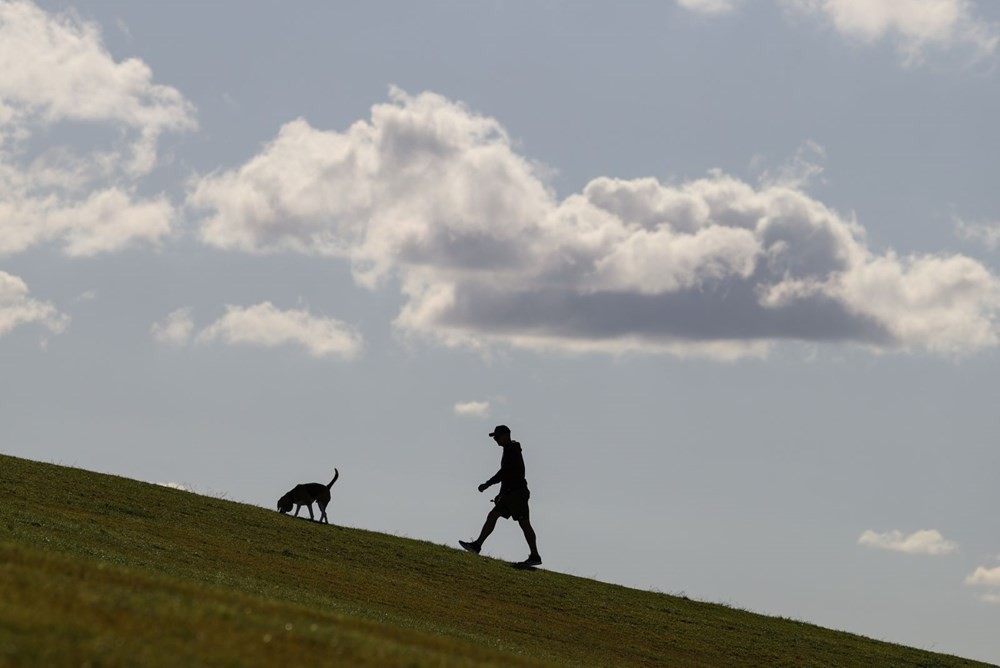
[
  {"x": 435, "y": 195},
  {"x": 927, "y": 541},
  {"x": 709, "y": 6},
  {"x": 472, "y": 408},
  {"x": 175, "y": 329},
  {"x": 57, "y": 79},
  {"x": 987, "y": 234},
  {"x": 265, "y": 325}
]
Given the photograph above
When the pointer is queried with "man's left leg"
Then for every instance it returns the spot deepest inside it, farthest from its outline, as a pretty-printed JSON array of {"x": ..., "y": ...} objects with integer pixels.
[{"x": 488, "y": 526}]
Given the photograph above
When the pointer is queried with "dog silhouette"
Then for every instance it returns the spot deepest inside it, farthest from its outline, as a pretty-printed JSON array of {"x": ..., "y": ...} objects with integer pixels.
[{"x": 307, "y": 494}]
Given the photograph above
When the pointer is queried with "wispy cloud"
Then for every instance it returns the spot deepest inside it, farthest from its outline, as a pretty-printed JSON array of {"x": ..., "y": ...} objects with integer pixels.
[
  {"x": 798, "y": 172},
  {"x": 472, "y": 408},
  {"x": 434, "y": 194},
  {"x": 928, "y": 541}
]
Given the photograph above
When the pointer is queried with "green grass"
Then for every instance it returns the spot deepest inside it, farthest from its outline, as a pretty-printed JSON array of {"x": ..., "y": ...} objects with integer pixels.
[{"x": 104, "y": 571}]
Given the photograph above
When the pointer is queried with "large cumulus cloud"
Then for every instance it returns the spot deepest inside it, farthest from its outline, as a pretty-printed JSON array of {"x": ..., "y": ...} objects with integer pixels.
[{"x": 435, "y": 197}]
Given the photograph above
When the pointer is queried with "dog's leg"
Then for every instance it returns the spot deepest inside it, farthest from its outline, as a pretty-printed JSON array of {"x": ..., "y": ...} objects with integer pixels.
[
  {"x": 297, "y": 509},
  {"x": 310, "y": 507}
]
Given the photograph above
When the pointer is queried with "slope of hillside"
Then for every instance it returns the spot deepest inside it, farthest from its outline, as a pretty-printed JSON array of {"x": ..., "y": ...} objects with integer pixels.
[{"x": 102, "y": 570}]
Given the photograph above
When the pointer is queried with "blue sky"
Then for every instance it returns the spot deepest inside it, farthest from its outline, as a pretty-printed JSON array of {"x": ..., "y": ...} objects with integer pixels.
[{"x": 727, "y": 269}]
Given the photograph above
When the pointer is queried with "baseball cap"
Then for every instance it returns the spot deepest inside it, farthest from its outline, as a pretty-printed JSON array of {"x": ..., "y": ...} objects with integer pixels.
[{"x": 500, "y": 428}]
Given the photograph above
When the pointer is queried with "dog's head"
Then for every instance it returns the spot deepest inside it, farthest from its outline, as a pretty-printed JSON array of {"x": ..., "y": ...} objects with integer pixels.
[{"x": 284, "y": 504}]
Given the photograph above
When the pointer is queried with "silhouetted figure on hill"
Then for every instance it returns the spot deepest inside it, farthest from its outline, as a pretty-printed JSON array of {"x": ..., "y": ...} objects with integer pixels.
[{"x": 512, "y": 501}]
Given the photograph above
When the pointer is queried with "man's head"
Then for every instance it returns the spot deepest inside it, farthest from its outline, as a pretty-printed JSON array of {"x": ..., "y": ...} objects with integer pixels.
[{"x": 501, "y": 434}]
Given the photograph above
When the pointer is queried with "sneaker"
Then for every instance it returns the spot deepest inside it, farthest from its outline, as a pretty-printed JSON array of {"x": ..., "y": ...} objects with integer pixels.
[
  {"x": 471, "y": 546},
  {"x": 533, "y": 560}
]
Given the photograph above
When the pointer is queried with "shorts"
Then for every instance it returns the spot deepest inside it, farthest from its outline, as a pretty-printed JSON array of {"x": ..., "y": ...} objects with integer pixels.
[{"x": 513, "y": 504}]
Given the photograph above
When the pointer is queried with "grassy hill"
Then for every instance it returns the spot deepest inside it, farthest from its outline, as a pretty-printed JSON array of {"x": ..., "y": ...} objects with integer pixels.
[{"x": 99, "y": 570}]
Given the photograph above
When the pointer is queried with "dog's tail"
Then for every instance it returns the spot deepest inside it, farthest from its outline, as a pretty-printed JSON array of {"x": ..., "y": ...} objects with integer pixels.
[{"x": 336, "y": 474}]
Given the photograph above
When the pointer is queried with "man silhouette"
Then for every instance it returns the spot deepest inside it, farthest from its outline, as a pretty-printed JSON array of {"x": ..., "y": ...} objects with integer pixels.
[{"x": 512, "y": 501}]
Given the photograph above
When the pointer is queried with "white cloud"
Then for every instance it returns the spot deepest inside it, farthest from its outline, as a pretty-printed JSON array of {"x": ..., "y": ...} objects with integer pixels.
[
  {"x": 472, "y": 408},
  {"x": 986, "y": 577},
  {"x": 916, "y": 26},
  {"x": 927, "y": 541},
  {"x": 433, "y": 194},
  {"x": 57, "y": 73},
  {"x": 709, "y": 6},
  {"x": 17, "y": 308},
  {"x": 106, "y": 221},
  {"x": 265, "y": 325},
  {"x": 175, "y": 329}
]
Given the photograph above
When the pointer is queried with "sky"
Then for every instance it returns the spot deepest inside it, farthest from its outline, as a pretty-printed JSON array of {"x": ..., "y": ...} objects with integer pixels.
[{"x": 727, "y": 269}]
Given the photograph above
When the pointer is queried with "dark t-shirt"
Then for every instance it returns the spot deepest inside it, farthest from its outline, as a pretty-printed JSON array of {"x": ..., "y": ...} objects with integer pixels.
[{"x": 511, "y": 473}]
